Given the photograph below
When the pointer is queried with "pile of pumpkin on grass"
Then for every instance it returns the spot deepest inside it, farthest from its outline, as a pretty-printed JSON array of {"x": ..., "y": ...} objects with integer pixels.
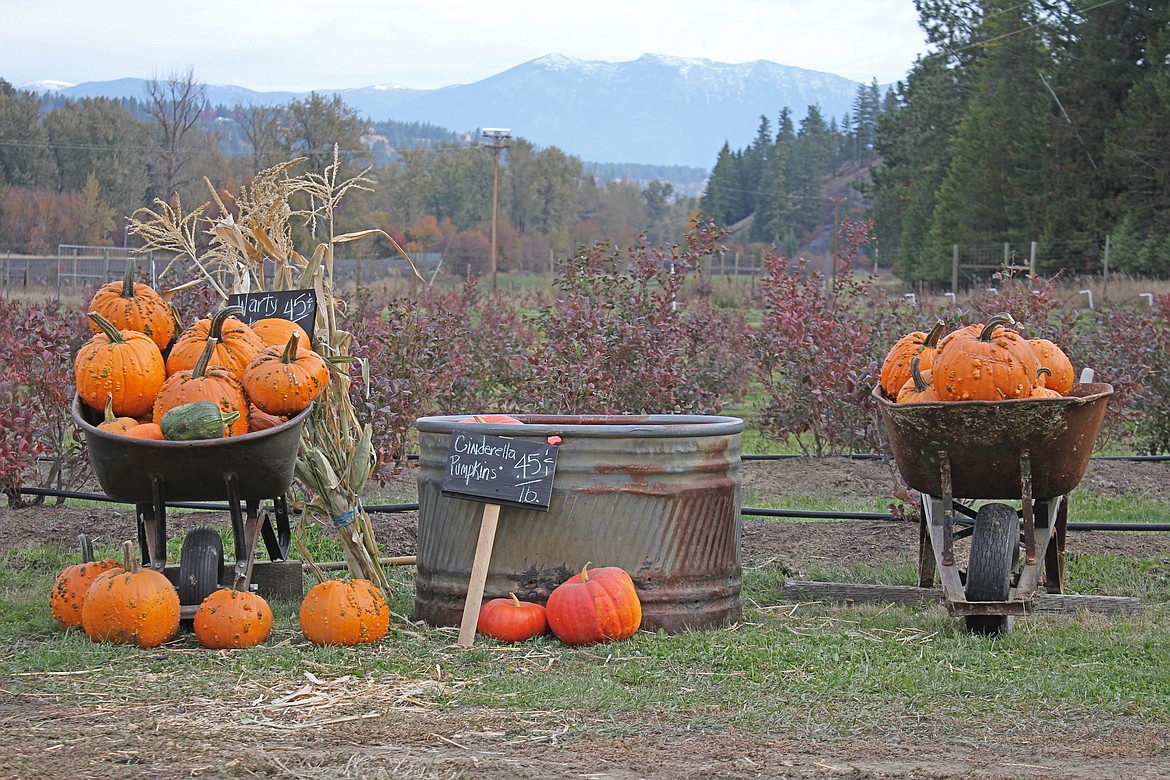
[
  {"x": 220, "y": 377},
  {"x": 122, "y": 603},
  {"x": 982, "y": 362}
]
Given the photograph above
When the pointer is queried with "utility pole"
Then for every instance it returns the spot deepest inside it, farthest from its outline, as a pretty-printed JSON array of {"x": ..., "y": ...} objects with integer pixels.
[{"x": 499, "y": 136}]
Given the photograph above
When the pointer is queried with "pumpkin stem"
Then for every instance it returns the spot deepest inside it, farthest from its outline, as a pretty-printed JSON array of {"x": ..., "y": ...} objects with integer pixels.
[
  {"x": 204, "y": 358},
  {"x": 515, "y": 600},
  {"x": 290, "y": 349},
  {"x": 108, "y": 328},
  {"x": 920, "y": 383},
  {"x": 110, "y": 417},
  {"x": 128, "y": 281},
  {"x": 585, "y": 571},
  {"x": 129, "y": 560},
  {"x": 1043, "y": 371},
  {"x": 934, "y": 335},
  {"x": 1003, "y": 319},
  {"x": 216, "y": 329}
]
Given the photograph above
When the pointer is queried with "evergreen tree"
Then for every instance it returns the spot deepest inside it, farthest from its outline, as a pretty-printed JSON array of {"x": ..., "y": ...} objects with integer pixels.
[
  {"x": 773, "y": 217},
  {"x": 812, "y": 160},
  {"x": 24, "y": 157},
  {"x": 721, "y": 196}
]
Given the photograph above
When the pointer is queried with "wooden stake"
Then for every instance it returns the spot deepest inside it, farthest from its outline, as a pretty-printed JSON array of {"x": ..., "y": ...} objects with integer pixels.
[{"x": 479, "y": 571}]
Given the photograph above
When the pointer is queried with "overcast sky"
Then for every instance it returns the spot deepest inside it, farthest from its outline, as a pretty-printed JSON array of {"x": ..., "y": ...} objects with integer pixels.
[{"x": 302, "y": 45}]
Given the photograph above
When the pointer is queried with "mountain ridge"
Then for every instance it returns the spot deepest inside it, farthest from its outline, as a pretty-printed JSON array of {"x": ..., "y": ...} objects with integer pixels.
[{"x": 656, "y": 109}]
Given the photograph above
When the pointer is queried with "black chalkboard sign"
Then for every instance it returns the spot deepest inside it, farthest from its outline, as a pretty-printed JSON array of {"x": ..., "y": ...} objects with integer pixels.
[
  {"x": 500, "y": 470},
  {"x": 300, "y": 306}
]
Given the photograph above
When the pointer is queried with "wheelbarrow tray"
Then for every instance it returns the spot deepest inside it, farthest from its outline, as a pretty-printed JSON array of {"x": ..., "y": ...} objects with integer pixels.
[
  {"x": 128, "y": 469},
  {"x": 984, "y": 442}
]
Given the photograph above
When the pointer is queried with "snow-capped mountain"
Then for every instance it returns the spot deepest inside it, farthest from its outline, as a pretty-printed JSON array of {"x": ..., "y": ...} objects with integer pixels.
[{"x": 656, "y": 109}]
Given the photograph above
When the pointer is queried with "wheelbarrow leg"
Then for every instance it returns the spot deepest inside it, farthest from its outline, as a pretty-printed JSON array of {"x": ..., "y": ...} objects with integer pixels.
[
  {"x": 246, "y": 531},
  {"x": 926, "y": 567},
  {"x": 1054, "y": 557},
  {"x": 152, "y": 527},
  {"x": 278, "y": 537}
]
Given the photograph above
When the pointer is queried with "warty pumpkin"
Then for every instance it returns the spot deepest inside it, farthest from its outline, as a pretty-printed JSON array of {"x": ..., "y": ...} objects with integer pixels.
[
  {"x": 205, "y": 382},
  {"x": 344, "y": 612},
  {"x": 235, "y": 343},
  {"x": 133, "y": 606},
  {"x": 275, "y": 331},
  {"x": 896, "y": 366},
  {"x": 285, "y": 380},
  {"x": 131, "y": 305},
  {"x": 975, "y": 366},
  {"x": 918, "y": 388},
  {"x": 68, "y": 594},
  {"x": 125, "y": 365},
  {"x": 230, "y": 619},
  {"x": 598, "y": 605},
  {"x": 1061, "y": 375},
  {"x": 512, "y": 620},
  {"x": 113, "y": 424}
]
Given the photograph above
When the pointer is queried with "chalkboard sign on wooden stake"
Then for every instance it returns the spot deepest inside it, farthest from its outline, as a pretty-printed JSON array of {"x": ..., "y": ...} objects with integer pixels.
[{"x": 499, "y": 470}]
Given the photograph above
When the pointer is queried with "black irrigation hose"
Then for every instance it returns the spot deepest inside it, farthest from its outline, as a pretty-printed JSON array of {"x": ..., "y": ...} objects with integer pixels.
[{"x": 805, "y": 514}]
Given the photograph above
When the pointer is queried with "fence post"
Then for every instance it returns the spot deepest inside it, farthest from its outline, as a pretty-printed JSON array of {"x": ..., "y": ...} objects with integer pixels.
[
  {"x": 1007, "y": 253},
  {"x": 1032, "y": 260},
  {"x": 1105, "y": 268},
  {"x": 955, "y": 268}
]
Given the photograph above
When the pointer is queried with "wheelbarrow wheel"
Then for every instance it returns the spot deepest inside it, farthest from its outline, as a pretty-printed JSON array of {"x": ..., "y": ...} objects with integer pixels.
[
  {"x": 200, "y": 565},
  {"x": 994, "y": 545}
]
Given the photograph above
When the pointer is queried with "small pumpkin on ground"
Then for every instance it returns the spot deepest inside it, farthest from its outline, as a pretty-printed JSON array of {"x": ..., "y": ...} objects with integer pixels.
[
  {"x": 285, "y": 380},
  {"x": 228, "y": 619},
  {"x": 69, "y": 590},
  {"x": 598, "y": 605},
  {"x": 131, "y": 305},
  {"x": 896, "y": 366},
  {"x": 512, "y": 620},
  {"x": 344, "y": 612},
  {"x": 132, "y": 606},
  {"x": 205, "y": 382},
  {"x": 125, "y": 366},
  {"x": 235, "y": 343}
]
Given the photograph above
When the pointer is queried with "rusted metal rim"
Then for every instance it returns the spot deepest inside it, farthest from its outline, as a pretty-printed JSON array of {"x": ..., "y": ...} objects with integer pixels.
[{"x": 603, "y": 426}]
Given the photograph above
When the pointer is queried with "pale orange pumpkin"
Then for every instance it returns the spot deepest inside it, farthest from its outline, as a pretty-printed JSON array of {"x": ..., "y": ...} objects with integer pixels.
[{"x": 275, "y": 331}]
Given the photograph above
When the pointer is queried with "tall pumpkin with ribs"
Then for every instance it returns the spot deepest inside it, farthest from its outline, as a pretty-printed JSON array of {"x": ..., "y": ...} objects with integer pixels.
[
  {"x": 205, "y": 382},
  {"x": 123, "y": 366}
]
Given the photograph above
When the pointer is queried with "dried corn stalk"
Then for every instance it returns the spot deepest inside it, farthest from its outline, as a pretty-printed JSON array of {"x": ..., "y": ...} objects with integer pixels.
[{"x": 336, "y": 455}]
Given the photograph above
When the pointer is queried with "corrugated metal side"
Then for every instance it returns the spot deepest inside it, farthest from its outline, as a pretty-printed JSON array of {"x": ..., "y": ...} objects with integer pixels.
[{"x": 664, "y": 508}]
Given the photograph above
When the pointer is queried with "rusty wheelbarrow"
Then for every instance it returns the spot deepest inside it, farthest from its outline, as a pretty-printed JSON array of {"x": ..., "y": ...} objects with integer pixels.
[
  {"x": 244, "y": 470},
  {"x": 1032, "y": 451}
]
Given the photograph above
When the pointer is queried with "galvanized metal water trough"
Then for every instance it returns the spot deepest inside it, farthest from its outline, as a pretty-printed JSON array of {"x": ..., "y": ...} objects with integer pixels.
[{"x": 657, "y": 495}]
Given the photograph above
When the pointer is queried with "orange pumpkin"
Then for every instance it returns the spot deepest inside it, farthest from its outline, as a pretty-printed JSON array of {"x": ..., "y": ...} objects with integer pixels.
[
  {"x": 275, "y": 331},
  {"x": 148, "y": 431},
  {"x": 918, "y": 388},
  {"x": 114, "y": 424},
  {"x": 595, "y": 606},
  {"x": 344, "y": 612},
  {"x": 124, "y": 364},
  {"x": 69, "y": 590},
  {"x": 230, "y": 618},
  {"x": 285, "y": 380},
  {"x": 512, "y": 620},
  {"x": 970, "y": 366},
  {"x": 235, "y": 343},
  {"x": 131, "y": 305},
  {"x": 1041, "y": 390},
  {"x": 896, "y": 366},
  {"x": 1061, "y": 375},
  {"x": 205, "y": 382},
  {"x": 134, "y": 606}
]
